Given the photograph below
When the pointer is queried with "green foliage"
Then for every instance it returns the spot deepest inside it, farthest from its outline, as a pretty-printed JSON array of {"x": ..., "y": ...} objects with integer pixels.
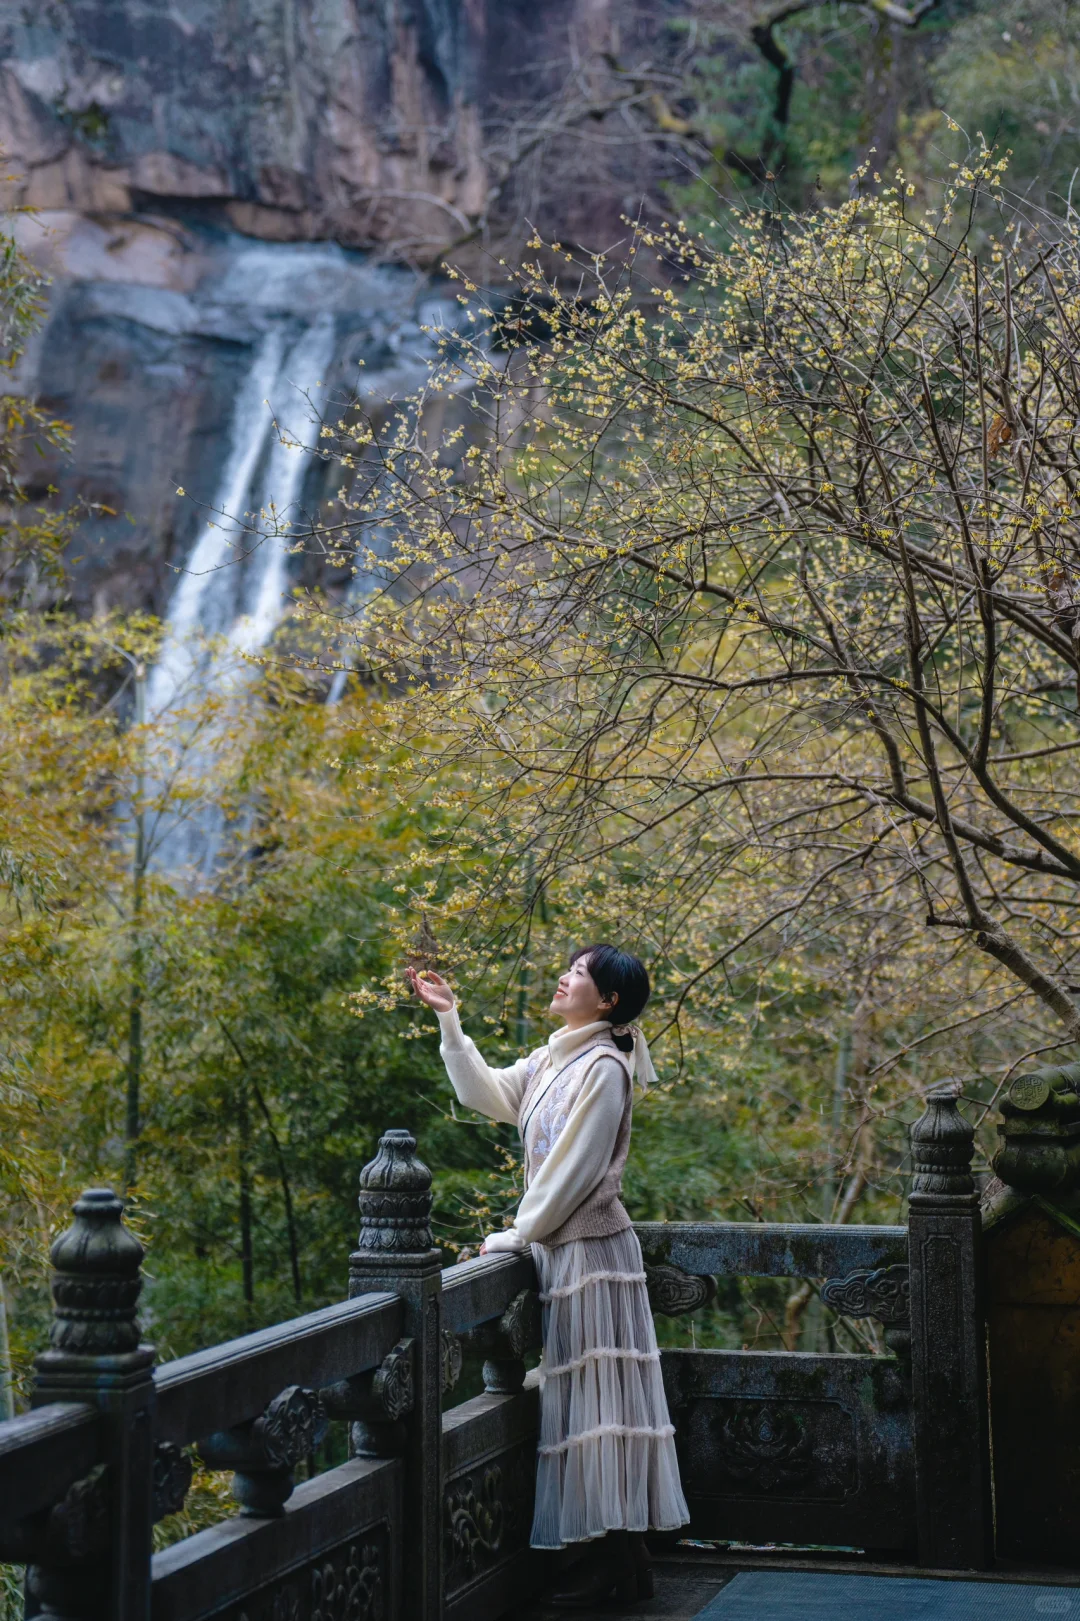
[
  {"x": 863, "y": 85},
  {"x": 11, "y": 1592},
  {"x": 1013, "y": 71}
]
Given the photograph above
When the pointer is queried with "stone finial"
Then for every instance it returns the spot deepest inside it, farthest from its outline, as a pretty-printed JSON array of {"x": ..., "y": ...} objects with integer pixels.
[
  {"x": 1040, "y": 1132},
  {"x": 395, "y": 1199},
  {"x": 96, "y": 1280},
  {"x": 942, "y": 1144}
]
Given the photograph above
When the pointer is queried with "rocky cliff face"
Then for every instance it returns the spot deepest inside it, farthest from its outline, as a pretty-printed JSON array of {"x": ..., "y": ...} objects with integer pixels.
[
  {"x": 359, "y": 120},
  {"x": 213, "y": 176},
  {"x": 174, "y": 380}
]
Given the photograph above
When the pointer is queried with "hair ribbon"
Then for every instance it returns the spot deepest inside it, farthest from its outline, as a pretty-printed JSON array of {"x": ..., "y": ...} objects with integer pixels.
[{"x": 641, "y": 1065}]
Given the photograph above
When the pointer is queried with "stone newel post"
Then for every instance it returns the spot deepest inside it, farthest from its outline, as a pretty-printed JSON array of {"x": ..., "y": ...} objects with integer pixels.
[
  {"x": 95, "y": 1565},
  {"x": 395, "y": 1252},
  {"x": 948, "y": 1358}
]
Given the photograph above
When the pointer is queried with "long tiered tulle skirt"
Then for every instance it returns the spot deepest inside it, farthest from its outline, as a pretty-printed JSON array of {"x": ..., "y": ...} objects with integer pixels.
[{"x": 606, "y": 1455}]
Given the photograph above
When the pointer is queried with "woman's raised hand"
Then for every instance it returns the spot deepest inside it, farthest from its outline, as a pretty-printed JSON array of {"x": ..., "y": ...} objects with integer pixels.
[{"x": 431, "y": 989}]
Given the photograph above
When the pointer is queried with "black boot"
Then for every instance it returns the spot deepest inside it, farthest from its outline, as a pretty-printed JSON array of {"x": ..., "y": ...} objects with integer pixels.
[
  {"x": 607, "y": 1571},
  {"x": 642, "y": 1558}
]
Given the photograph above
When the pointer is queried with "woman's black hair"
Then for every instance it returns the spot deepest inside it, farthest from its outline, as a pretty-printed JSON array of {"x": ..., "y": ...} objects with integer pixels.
[{"x": 622, "y": 975}]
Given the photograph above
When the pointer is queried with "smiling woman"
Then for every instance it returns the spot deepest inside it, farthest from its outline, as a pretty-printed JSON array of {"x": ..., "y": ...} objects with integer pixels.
[
  {"x": 607, "y": 1470},
  {"x": 603, "y": 982}
]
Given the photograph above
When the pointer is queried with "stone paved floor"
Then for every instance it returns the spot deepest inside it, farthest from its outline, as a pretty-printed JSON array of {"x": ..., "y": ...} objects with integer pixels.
[
  {"x": 680, "y": 1594},
  {"x": 686, "y": 1584}
]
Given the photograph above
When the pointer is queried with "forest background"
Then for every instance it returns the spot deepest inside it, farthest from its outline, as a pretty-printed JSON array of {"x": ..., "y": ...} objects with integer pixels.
[{"x": 204, "y": 1047}]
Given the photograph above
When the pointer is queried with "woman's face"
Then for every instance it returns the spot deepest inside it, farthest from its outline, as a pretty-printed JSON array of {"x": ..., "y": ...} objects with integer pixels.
[{"x": 577, "y": 1000}]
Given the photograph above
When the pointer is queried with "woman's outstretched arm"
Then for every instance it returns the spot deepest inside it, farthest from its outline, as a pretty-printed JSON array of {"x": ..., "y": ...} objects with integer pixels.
[
  {"x": 494, "y": 1092},
  {"x": 577, "y": 1162}
]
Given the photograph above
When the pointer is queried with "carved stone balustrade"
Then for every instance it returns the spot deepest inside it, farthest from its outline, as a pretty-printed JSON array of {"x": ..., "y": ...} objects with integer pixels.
[
  {"x": 429, "y": 1519},
  {"x": 217, "y": 1388},
  {"x": 745, "y": 1249}
]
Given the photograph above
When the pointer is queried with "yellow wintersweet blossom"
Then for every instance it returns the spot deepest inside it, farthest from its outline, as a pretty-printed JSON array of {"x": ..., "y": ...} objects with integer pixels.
[{"x": 740, "y": 616}]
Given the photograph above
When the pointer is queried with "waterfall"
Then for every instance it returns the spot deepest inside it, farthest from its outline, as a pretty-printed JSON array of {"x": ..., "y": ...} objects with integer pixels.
[
  {"x": 305, "y": 367},
  {"x": 232, "y": 593},
  {"x": 308, "y": 312},
  {"x": 202, "y": 602}
]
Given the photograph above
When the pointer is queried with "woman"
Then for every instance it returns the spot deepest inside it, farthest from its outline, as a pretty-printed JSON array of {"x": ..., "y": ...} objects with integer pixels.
[{"x": 606, "y": 1467}]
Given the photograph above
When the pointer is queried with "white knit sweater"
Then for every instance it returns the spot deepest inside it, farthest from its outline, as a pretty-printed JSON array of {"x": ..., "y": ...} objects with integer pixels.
[{"x": 580, "y": 1157}]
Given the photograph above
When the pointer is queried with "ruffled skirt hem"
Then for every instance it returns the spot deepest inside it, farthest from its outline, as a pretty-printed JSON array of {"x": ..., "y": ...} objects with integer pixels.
[{"x": 606, "y": 1457}]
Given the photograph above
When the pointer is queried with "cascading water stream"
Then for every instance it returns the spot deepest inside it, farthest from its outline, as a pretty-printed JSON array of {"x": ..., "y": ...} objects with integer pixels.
[
  {"x": 203, "y": 603},
  {"x": 307, "y": 363},
  {"x": 232, "y": 593}
]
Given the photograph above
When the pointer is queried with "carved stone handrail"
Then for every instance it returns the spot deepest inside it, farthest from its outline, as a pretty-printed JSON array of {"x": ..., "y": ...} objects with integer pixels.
[
  {"x": 44, "y": 1452},
  {"x": 770, "y": 1249},
  {"x": 479, "y": 1290},
  {"x": 228, "y": 1384},
  {"x": 430, "y": 1516}
]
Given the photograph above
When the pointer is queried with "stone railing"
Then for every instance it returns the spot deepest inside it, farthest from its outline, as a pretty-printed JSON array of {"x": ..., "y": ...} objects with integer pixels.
[{"x": 429, "y": 1516}]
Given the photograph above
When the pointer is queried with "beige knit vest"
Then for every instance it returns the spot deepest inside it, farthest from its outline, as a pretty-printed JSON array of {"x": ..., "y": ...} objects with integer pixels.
[{"x": 601, "y": 1213}]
